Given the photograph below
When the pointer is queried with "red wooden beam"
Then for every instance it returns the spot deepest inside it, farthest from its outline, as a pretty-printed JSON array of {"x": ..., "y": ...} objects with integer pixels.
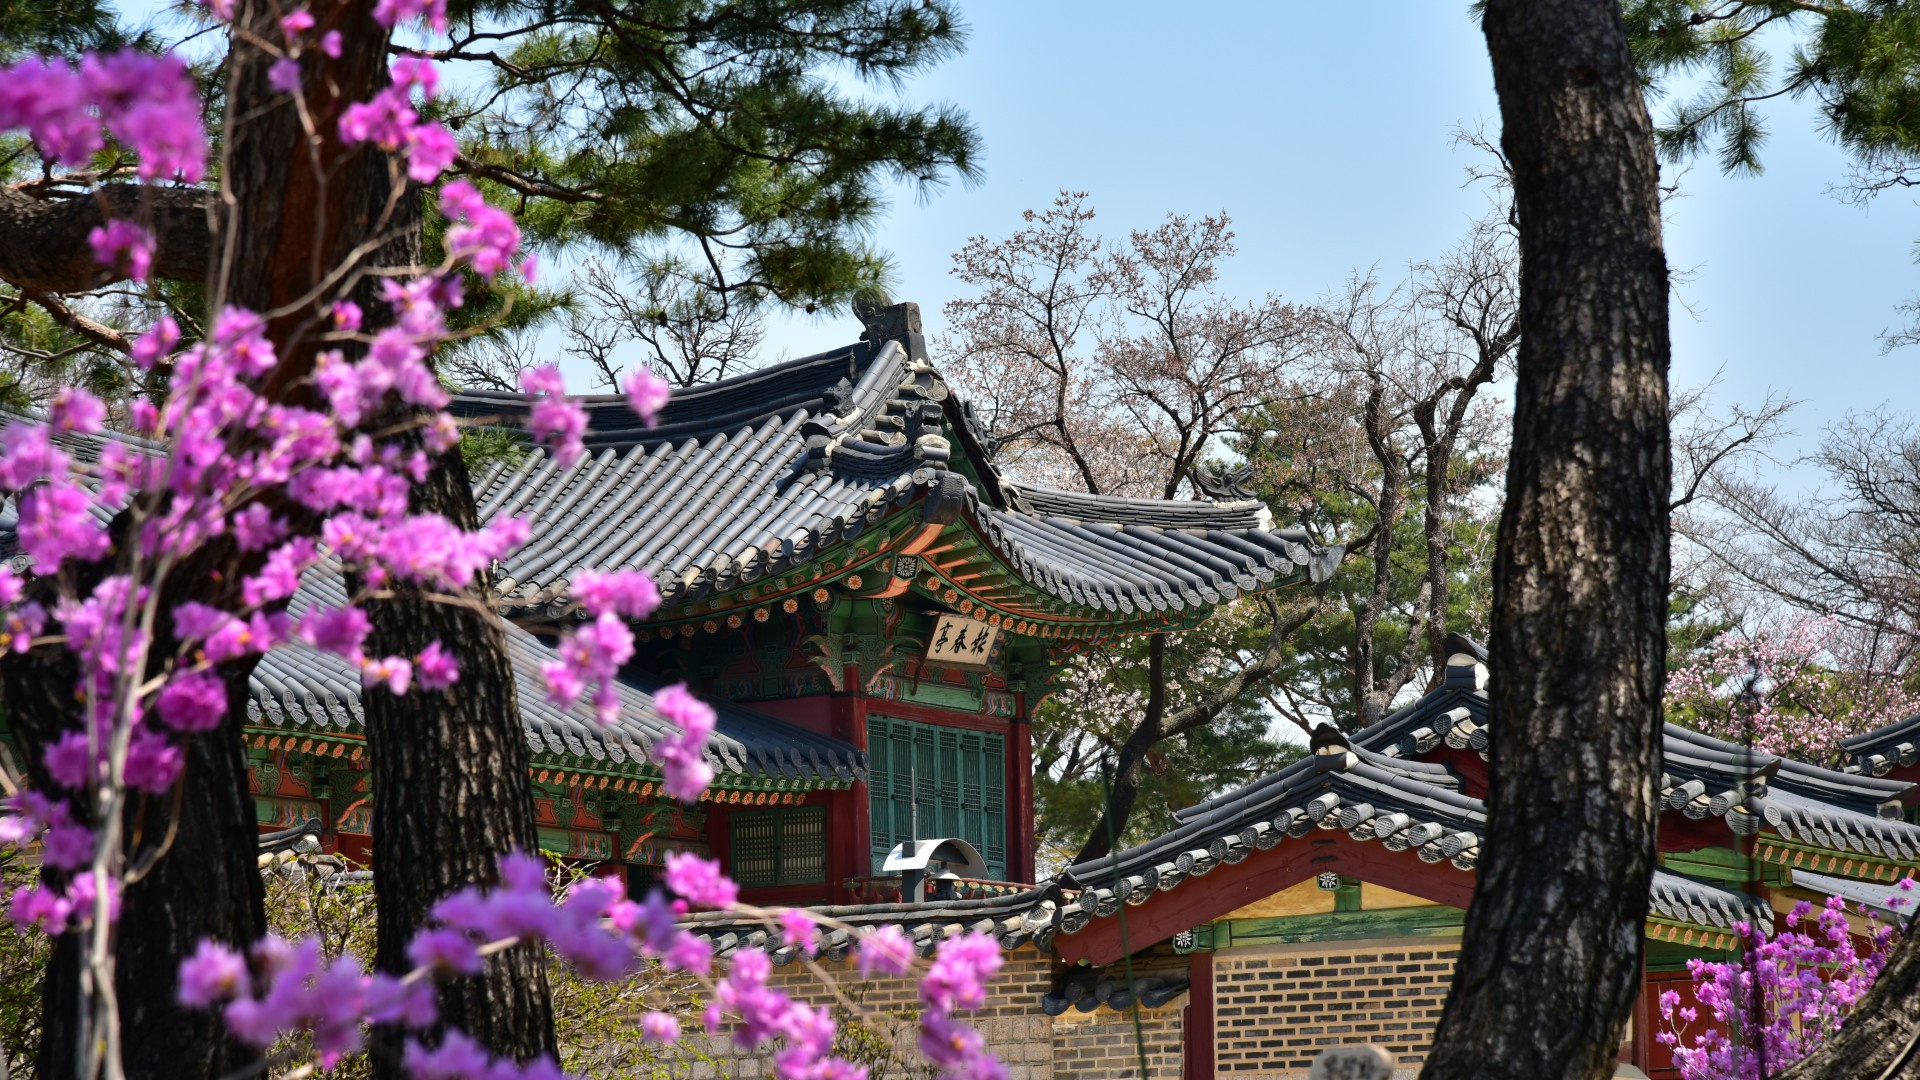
[
  {"x": 1260, "y": 875},
  {"x": 1019, "y": 792},
  {"x": 1197, "y": 1034}
]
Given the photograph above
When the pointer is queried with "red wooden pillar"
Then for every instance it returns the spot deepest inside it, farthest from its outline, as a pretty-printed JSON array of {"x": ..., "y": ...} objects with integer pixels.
[
  {"x": 1196, "y": 1028},
  {"x": 848, "y": 854},
  {"x": 1020, "y": 838}
]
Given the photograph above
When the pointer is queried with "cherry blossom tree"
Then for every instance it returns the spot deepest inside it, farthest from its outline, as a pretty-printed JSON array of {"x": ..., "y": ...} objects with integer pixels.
[
  {"x": 1115, "y": 370},
  {"x": 1795, "y": 690}
]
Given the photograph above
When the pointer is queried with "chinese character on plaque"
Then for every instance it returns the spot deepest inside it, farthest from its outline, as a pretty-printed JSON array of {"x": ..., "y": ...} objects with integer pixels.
[{"x": 962, "y": 642}]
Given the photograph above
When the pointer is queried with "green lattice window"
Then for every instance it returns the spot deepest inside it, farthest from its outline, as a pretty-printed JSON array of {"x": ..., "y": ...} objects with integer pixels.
[
  {"x": 952, "y": 781},
  {"x": 779, "y": 847}
]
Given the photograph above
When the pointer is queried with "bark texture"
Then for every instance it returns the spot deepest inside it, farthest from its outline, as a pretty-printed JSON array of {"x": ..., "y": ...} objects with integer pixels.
[
  {"x": 1550, "y": 960},
  {"x": 451, "y": 795},
  {"x": 202, "y": 883},
  {"x": 45, "y": 240},
  {"x": 298, "y": 206}
]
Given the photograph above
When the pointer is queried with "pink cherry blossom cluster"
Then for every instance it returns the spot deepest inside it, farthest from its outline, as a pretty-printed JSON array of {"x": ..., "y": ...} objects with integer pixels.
[
  {"x": 1795, "y": 690},
  {"x": 1785, "y": 996}
]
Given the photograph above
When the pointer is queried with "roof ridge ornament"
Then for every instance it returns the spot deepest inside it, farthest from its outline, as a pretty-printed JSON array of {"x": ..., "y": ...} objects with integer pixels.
[
  {"x": 884, "y": 320},
  {"x": 1331, "y": 749},
  {"x": 1223, "y": 483}
]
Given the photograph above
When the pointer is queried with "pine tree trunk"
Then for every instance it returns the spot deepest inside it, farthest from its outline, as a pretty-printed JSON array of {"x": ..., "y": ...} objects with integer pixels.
[
  {"x": 1550, "y": 961},
  {"x": 284, "y": 228},
  {"x": 451, "y": 795},
  {"x": 204, "y": 885}
]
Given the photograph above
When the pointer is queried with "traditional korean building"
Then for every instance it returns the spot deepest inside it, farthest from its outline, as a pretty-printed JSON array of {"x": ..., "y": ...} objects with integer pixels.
[
  {"x": 872, "y": 608},
  {"x": 1324, "y": 904},
  {"x": 875, "y": 612},
  {"x": 1335, "y": 889}
]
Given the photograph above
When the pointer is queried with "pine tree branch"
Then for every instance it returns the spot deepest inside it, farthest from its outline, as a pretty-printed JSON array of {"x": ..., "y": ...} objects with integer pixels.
[{"x": 43, "y": 241}]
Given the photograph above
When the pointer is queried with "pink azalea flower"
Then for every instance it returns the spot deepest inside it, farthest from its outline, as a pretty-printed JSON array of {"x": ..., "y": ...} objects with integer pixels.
[
  {"x": 153, "y": 346},
  {"x": 395, "y": 671},
  {"x": 27, "y": 455},
  {"x": 152, "y": 764},
  {"x": 961, "y": 968},
  {"x": 67, "y": 846},
  {"x": 70, "y": 760},
  {"x": 798, "y": 929},
  {"x": 73, "y": 409},
  {"x": 213, "y": 973},
  {"x": 699, "y": 881},
  {"x": 647, "y": 394},
  {"x": 436, "y": 668},
  {"x": 123, "y": 240},
  {"x": 631, "y": 593},
  {"x": 395, "y": 12},
  {"x": 19, "y": 627},
  {"x": 659, "y": 1028},
  {"x": 39, "y": 906},
  {"x": 448, "y": 951},
  {"x": 330, "y": 44},
  {"x": 284, "y": 75},
  {"x": 886, "y": 951},
  {"x": 346, "y": 316},
  {"x": 431, "y": 150},
  {"x": 255, "y": 527},
  {"x": 337, "y": 630},
  {"x": 485, "y": 237},
  {"x": 192, "y": 702},
  {"x": 56, "y": 524}
]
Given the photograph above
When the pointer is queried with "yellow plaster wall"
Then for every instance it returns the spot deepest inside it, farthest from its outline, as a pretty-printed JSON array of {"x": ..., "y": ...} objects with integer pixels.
[
  {"x": 1306, "y": 898},
  {"x": 1376, "y": 897}
]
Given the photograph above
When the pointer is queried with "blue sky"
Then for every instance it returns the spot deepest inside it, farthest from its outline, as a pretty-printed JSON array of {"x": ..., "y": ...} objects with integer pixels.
[{"x": 1328, "y": 138}]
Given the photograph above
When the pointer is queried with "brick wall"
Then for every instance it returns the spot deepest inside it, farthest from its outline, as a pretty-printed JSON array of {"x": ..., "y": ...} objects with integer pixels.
[
  {"x": 1035, "y": 1046},
  {"x": 1103, "y": 1044},
  {"x": 1278, "y": 1006}
]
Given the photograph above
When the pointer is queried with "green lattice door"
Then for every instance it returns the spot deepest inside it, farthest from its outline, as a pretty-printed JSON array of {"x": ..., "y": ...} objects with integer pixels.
[{"x": 928, "y": 781}]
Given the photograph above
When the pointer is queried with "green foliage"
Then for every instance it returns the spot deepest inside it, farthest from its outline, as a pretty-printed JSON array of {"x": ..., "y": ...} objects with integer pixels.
[
  {"x": 873, "y": 1038},
  {"x": 1861, "y": 60},
  {"x": 1076, "y": 731},
  {"x": 59, "y": 27},
  {"x": 1337, "y": 496},
  {"x": 713, "y": 139},
  {"x": 23, "y": 962},
  {"x": 485, "y": 447}
]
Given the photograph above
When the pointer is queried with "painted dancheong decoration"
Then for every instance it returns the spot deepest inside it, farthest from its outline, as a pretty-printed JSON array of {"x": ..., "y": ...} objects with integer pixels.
[{"x": 871, "y": 607}]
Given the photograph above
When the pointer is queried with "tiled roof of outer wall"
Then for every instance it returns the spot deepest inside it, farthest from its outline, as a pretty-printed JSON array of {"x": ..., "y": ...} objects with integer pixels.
[
  {"x": 1881, "y": 750},
  {"x": 1015, "y": 920},
  {"x": 297, "y": 686},
  {"x": 746, "y": 477},
  {"x": 1368, "y": 796},
  {"x": 1703, "y": 777}
]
